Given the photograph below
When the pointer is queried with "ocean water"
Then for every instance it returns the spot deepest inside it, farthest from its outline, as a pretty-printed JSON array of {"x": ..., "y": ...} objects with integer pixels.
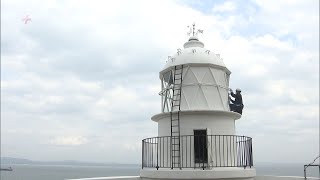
[{"x": 52, "y": 172}]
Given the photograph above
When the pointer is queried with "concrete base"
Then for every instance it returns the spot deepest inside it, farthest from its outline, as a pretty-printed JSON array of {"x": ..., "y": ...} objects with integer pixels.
[{"x": 228, "y": 173}]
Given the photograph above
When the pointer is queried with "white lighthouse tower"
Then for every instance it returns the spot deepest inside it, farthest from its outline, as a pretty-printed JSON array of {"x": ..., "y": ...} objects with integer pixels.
[{"x": 196, "y": 129}]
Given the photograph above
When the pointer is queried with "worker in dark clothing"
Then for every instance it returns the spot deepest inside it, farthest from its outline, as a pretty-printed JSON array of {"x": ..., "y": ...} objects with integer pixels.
[{"x": 236, "y": 105}]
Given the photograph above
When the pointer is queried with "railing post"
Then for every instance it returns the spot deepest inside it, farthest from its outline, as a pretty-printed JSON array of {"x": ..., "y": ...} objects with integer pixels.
[
  {"x": 171, "y": 155},
  {"x": 246, "y": 153},
  {"x": 251, "y": 155},
  {"x": 203, "y": 151},
  {"x": 157, "y": 141},
  {"x": 305, "y": 173},
  {"x": 142, "y": 164}
]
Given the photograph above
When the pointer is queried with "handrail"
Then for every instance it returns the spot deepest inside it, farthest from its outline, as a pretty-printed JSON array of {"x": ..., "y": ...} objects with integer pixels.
[{"x": 199, "y": 151}]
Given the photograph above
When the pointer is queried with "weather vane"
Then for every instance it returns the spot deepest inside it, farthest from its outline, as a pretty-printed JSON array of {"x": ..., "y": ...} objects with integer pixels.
[{"x": 193, "y": 30}]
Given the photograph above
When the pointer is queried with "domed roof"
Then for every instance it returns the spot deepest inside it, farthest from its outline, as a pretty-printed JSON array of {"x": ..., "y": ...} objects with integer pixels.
[{"x": 194, "y": 53}]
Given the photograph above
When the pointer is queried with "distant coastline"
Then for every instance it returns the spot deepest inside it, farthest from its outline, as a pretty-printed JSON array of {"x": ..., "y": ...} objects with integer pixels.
[{"x": 21, "y": 161}]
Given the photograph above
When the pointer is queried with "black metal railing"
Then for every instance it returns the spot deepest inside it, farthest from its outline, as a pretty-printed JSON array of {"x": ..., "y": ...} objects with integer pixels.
[{"x": 198, "y": 151}]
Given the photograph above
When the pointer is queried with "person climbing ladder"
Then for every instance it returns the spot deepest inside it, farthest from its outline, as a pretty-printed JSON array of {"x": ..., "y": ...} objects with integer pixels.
[{"x": 236, "y": 105}]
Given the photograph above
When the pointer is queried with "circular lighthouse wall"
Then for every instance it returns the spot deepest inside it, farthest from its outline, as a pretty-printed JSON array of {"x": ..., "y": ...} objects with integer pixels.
[
  {"x": 215, "y": 122},
  {"x": 219, "y": 127}
]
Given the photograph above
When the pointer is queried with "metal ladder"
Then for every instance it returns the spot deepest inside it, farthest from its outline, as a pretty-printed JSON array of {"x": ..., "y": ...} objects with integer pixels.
[{"x": 175, "y": 117}]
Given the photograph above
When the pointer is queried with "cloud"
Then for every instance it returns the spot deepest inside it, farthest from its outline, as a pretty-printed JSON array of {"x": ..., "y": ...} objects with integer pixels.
[
  {"x": 69, "y": 140},
  {"x": 225, "y": 7}
]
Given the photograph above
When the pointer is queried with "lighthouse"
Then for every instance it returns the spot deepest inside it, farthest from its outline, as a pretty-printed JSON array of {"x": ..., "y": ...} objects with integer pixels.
[{"x": 196, "y": 129}]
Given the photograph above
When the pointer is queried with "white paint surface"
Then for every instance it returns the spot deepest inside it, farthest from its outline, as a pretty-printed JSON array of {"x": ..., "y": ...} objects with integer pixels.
[{"x": 216, "y": 173}]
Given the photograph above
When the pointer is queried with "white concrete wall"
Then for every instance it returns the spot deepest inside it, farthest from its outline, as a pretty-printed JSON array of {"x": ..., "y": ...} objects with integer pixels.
[
  {"x": 216, "y": 123},
  {"x": 283, "y": 178},
  {"x": 255, "y": 178},
  {"x": 196, "y": 174},
  {"x": 111, "y": 178}
]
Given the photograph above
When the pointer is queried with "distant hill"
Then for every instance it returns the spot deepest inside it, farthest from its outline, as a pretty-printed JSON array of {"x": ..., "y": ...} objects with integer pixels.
[{"x": 10, "y": 160}]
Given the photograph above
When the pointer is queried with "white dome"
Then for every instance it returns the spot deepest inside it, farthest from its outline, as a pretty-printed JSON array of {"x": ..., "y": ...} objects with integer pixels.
[{"x": 194, "y": 53}]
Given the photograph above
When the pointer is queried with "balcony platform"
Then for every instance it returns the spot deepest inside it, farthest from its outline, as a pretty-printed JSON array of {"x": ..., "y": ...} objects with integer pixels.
[{"x": 214, "y": 173}]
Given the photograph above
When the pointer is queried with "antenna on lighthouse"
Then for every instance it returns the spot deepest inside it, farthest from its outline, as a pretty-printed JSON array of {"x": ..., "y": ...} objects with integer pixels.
[{"x": 193, "y": 30}]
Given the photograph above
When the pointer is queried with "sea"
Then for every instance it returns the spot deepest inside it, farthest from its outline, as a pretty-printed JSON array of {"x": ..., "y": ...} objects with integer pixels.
[{"x": 61, "y": 172}]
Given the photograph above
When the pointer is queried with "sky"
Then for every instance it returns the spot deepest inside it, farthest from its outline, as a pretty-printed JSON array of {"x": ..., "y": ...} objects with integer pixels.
[{"x": 80, "y": 81}]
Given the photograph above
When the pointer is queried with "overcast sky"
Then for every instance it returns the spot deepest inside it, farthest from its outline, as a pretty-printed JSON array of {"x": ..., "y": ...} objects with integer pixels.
[{"x": 80, "y": 81}]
